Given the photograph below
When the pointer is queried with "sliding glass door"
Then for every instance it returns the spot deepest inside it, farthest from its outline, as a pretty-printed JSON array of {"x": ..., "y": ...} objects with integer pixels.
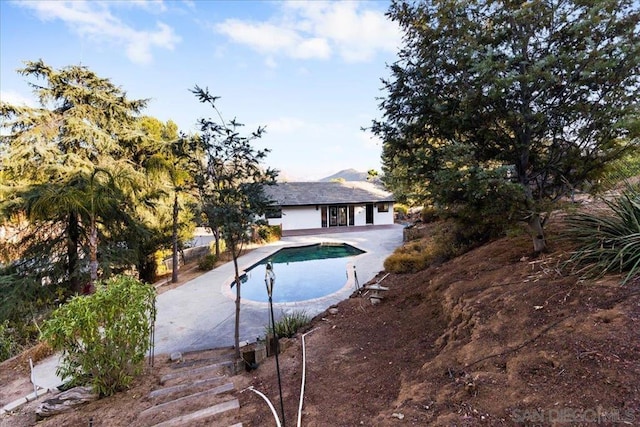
[{"x": 338, "y": 216}]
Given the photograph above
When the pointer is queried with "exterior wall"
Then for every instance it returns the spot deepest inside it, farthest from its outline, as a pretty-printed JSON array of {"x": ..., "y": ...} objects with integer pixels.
[
  {"x": 380, "y": 218},
  {"x": 360, "y": 215},
  {"x": 298, "y": 218},
  {"x": 305, "y": 217}
]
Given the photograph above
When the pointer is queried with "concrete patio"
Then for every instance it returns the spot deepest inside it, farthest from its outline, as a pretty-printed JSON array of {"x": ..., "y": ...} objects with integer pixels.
[{"x": 201, "y": 313}]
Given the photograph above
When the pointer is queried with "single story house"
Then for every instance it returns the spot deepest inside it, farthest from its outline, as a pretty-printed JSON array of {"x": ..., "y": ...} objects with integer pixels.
[{"x": 308, "y": 205}]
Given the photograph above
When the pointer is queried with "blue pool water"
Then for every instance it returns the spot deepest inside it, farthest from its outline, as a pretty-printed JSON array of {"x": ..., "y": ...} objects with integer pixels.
[{"x": 302, "y": 273}]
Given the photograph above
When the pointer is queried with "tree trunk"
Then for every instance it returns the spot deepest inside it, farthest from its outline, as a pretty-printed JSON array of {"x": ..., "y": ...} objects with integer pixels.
[
  {"x": 174, "y": 263},
  {"x": 237, "y": 325},
  {"x": 216, "y": 235},
  {"x": 93, "y": 254},
  {"x": 535, "y": 228},
  {"x": 73, "y": 237}
]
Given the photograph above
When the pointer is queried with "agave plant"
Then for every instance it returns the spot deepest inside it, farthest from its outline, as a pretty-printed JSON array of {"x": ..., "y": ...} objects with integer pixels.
[
  {"x": 289, "y": 324},
  {"x": 609, "y": 241}
]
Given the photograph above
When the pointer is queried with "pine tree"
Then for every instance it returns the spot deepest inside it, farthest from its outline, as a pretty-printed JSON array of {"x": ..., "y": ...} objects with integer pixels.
[
  {"x": 540, "y": 94},
  {"x": 65, "y": 170}
]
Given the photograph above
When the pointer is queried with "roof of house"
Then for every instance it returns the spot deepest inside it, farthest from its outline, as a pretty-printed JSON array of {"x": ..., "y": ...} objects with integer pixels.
[{"x": 327, "y": 193}]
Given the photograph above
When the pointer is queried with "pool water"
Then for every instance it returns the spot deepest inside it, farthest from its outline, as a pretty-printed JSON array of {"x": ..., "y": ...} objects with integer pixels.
[{"x": 302, "y": 273}]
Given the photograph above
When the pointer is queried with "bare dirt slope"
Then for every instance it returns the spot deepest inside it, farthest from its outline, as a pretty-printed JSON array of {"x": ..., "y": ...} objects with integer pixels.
[{"x": 490, "y": 338}]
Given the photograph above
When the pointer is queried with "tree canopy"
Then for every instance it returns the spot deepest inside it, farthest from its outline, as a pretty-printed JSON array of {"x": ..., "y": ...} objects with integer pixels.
[
  {"x": 508, "y": 104},
  {"x": 171, "y": 159},
  {"x": 68, "y": 178}
]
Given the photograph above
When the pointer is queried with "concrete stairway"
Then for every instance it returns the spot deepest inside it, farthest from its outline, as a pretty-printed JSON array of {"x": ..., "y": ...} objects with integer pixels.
[{"x": 197, "y": 392}]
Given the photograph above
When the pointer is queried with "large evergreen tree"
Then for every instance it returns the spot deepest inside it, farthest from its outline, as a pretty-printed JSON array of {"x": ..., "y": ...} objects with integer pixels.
[
  {"x": 66, "y": 172},
  {"x": 173, "y": 161},
  {"x": 509, "y": 104}
]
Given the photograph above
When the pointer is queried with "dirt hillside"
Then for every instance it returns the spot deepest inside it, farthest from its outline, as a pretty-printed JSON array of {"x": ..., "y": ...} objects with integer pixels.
[{"x": 491, "y": 338}]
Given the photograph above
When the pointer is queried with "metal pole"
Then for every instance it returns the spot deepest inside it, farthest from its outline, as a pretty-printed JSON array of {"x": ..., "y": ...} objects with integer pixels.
[
  {"x": 275, "y": 336},
  {"x": 269, "y": 281},
  {"x": 152, "y": 337},
  {"x": 355, "y": 278}
]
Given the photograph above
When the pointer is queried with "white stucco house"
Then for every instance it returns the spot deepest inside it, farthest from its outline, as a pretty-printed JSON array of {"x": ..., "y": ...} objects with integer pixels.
[{"x": 309, "y": 205}]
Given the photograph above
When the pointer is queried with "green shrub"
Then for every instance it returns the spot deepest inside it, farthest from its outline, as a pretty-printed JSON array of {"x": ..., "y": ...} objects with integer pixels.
[
  {"x": 207, "y": 262},
  {"x": 161, "y": 266},
  {"x": 103, "y": 337},
  {"x": 406, "y": 262},
  {"x": 23, "y": 302},
  {"x": 428, "y": 214},
  {"x": 619, "y": 171},
  {"x": 290, "y": 323},
  {"x": 447, "y": 240},
  {"x": 8, "y": 344},
  {"x": 400, "y": 210},
  {"x": 474, "y": 192},
  {"x": 609, "y": 241},
  {"x": 267, "y": 233}
]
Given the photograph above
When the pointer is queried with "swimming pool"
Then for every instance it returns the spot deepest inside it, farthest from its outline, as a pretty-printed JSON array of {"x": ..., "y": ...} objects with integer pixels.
[{"x": 302, "y": 273}]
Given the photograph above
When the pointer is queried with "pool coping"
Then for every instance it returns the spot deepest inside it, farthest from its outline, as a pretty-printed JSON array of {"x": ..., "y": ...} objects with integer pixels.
[{"x": 229, "y": 292}]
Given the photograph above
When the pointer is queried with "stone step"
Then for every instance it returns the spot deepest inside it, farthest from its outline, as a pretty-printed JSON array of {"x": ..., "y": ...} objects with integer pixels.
[
  {"x": 187, "y": 362},
  {"x": 216, "y": 368},
  {"x": 191, "y": 387},
  {"x": 201, "y": 414},
  {"x": 186, "y": 401}
]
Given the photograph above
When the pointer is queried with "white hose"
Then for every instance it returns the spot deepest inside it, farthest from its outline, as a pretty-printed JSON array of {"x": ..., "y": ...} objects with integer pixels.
[
  {"x": 304, "y": 372},
  {"x": 383, "y": 277},
  {"x": 266, "y": 399}
]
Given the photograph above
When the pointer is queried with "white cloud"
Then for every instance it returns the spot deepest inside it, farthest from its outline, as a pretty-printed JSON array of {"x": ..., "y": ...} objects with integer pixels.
[
  {"x": 318, "y": 30},
  {"x": 333, "y": 149},
  {"x": 149, "y": 5},
  {"x": 314, "y": 47},
  {"x": 286, "y": 125},
  {"x": 356, "y": 32},
  {"x": 270, "y": 39},
  {"x": 139, "y": 44},
  {"x": 94, "y": 20}
]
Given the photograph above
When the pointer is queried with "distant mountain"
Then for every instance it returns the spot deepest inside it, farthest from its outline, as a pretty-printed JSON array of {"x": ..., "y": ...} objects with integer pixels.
[{"x": 347, "y": 175}]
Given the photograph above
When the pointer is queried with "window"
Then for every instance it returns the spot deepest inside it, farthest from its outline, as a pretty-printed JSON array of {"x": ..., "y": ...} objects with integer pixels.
[
  {"x": 383, "y": 207},
  {"x": 275, "y": 212},
  {"x": 337, "y": 216},
  {"x": 323, "y": 216}
]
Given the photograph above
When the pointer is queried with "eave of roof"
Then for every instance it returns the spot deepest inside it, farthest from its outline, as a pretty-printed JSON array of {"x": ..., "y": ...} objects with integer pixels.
[{"x": 327, "y": 193}]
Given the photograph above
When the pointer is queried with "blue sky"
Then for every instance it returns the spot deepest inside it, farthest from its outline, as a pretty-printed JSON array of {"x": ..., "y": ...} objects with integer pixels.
[{"x": 307, "y": 70}]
